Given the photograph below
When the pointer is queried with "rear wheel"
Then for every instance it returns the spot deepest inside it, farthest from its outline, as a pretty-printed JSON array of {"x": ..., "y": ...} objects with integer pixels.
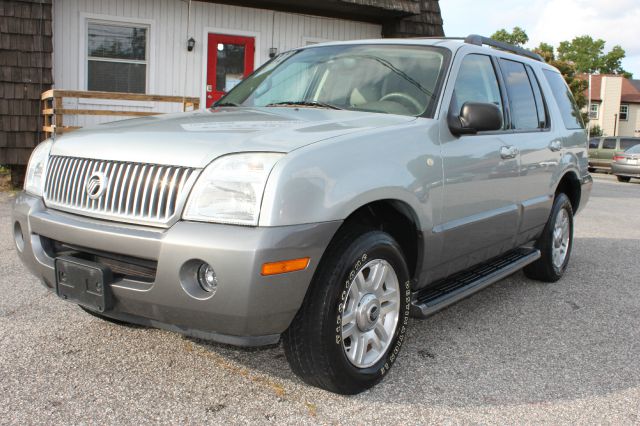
[
  {"x": 623, "y": 178},
  {"x": 592, "y": 169},
  {"x": 352, "y": 324},
  {"x": 554, "y": 244}
]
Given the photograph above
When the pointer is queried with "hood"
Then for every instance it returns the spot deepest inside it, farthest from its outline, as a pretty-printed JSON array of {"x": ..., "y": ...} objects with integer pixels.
[{"x": 194, "y": 139}]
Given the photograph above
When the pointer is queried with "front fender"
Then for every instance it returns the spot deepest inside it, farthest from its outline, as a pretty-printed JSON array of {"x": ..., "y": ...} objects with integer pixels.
[{"x": 330, "y": 180}]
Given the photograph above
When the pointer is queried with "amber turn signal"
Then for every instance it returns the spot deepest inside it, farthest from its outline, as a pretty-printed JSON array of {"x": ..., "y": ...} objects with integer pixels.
[{"x": 285, "y": 266}]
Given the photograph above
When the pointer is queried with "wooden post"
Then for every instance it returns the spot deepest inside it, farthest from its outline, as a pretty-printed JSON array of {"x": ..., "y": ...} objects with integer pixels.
[{"x": 57, "y": 114}]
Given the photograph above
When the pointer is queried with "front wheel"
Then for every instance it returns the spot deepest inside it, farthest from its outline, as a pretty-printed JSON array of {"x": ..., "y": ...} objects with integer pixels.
[
  {"x": 623, "y": 178},
  {"x": 351, "y": 326},
  {"x": 554, "y": 244}
]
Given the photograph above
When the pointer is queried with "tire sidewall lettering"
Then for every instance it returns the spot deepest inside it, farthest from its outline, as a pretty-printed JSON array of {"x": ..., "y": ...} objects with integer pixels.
[{"x": 393, "y": 351}]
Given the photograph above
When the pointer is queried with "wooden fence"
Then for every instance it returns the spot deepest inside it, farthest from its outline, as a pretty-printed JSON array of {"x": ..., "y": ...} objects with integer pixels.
[{"x": 54, "y": 111}]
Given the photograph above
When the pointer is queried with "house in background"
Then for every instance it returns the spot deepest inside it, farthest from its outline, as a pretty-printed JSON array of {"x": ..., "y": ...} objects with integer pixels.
[
  {"x": 615, "y": 105},
  {"x": 165, "y": 47}
]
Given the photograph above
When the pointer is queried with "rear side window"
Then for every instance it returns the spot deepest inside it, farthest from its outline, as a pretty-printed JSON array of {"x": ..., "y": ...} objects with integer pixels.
[
  {"x": 567, "y": 104},
  {"x": 628, "y": 143},
  {"x": 522, "y": 103},
  {"x": 543, "y": 113},
  {"x": 609, "y": 144},
  {"x": 593, "y": 143}
]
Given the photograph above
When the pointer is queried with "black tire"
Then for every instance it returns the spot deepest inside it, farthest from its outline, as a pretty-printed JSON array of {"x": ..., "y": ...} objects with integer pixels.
[
  {"x": 544, "y": 268},
  {"x": 313, "y": 343},
  {"x": 623, "y": 178},
  {"x": 591, "y": 169}
]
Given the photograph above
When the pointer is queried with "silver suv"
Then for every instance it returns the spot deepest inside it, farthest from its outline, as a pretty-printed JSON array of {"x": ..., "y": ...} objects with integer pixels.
[{"x": 335, "y": 192}]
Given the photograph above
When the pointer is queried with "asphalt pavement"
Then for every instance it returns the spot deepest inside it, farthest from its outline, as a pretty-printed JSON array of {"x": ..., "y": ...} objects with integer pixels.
[{"x": 518, "y": 352}]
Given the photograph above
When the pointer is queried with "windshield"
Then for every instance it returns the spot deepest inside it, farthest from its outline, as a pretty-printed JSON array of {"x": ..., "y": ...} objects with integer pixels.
[{"x": 390, "y": 79}]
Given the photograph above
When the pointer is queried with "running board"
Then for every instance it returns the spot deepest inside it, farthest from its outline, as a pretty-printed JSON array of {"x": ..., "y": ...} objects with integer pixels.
[{"x": 430, "y": 300}]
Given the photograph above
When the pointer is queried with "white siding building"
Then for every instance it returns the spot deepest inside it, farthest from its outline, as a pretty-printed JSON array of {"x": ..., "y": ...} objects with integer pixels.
[{"x": 615, "y": 105}]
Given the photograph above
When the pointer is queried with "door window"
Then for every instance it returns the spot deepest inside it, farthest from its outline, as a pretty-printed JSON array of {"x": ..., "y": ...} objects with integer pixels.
[
  {"x": 522, "y": 103},
  {"x": 609, "y": 144},
  {"x": 229, "y": 65},
  {"x": 593, "y": 143},
  {"x": 476, "y": 82}
]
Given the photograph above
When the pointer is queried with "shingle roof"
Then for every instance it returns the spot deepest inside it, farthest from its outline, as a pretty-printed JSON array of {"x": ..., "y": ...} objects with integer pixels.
[
  {"x": 25, "y": 72},
  {"x": 630, "y": 88}
]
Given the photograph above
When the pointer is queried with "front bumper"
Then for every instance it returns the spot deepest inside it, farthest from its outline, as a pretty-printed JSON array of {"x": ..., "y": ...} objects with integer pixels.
[{"x": 248, "y": 309}]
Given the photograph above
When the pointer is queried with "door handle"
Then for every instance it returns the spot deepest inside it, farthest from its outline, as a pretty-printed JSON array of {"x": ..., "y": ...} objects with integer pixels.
[
  {"x": 507, "y": 152},
  {"x": 555, "y": 145}
]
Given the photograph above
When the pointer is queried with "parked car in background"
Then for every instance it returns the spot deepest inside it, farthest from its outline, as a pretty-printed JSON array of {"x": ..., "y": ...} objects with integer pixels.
[
  {"x": 626, "y": 164},
  {"x": 602, "y": 150}
]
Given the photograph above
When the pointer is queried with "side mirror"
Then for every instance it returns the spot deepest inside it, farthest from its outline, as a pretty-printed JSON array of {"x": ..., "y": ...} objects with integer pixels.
[{"x": 475, "y": 117}]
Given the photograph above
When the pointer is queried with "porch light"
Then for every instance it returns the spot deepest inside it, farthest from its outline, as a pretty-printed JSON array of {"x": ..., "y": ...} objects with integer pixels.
[{"x": 191, "y": 43}]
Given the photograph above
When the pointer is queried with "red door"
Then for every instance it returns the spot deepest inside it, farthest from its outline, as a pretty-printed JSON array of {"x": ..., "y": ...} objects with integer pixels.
[{"x": 230, "y": 60}]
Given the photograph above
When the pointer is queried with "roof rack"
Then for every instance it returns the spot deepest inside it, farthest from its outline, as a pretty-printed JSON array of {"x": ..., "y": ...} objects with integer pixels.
[{"x": 479, "y": 40}]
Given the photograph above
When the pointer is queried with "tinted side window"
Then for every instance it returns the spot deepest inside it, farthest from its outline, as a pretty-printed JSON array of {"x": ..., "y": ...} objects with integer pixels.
[
  {"x": 609, "y": 144},
  {"x": 476, "y": 82},
  {"x": 593, "y": 143},
  {"x": 628, "y": 143},
  {"x": 568, "y": 107},
  {"x": 543, "y": 115},
  {"x": 524, "y": 113}
]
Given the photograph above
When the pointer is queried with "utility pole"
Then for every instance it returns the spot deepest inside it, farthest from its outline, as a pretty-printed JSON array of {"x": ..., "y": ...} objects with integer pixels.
[
  {"x": 589, "y": 111},
  {"x": 615, "y": 124}
]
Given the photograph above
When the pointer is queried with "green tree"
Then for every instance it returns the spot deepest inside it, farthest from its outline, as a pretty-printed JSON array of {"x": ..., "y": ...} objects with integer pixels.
[
  {"x": 546, "y": 51},
  {"x": 517, "y": 36},
  {"x": 596, "y": 130},
  {"x": 588, "y": 56},
  {"x": 569, "y": 72}
]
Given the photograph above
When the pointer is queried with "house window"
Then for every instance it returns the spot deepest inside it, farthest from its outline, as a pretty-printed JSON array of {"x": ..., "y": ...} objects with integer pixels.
[
  {"x": 117, "y": 57},
  {"x": 624, "y": 112},
  {"x": 594, "y": 111}
]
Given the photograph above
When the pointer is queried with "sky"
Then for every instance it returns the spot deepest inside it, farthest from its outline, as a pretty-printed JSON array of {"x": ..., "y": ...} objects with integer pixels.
[{"x": 551, "y": 21}]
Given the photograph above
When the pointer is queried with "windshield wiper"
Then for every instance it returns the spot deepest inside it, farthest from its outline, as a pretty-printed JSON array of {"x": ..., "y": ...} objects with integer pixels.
[{"x": 304, "y": 103}]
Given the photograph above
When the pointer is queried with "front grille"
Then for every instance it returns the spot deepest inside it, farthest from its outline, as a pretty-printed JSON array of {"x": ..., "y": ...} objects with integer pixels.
[{"x": 135, "y": 192}]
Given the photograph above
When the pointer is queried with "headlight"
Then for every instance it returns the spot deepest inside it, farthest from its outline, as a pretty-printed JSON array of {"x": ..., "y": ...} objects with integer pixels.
[
  {"x": 34, "y": 179},
  {"x": 230, "y": 189}
]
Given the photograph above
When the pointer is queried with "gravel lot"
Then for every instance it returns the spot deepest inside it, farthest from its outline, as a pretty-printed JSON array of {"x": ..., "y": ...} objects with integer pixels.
[{"x": 520, "y": 351}]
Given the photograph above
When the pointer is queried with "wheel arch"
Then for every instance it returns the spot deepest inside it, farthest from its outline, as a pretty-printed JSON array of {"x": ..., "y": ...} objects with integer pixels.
[
  {"x": 398, "y": 219},
  {"x": 570, "y": 185}
]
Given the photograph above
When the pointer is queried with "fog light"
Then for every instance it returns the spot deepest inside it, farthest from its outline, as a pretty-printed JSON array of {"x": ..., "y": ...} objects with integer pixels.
[{"x": 207, "y": 278}]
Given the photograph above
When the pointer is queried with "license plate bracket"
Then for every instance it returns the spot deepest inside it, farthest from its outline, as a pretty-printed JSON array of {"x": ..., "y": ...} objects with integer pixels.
[{"x": 84, "y": 282}]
